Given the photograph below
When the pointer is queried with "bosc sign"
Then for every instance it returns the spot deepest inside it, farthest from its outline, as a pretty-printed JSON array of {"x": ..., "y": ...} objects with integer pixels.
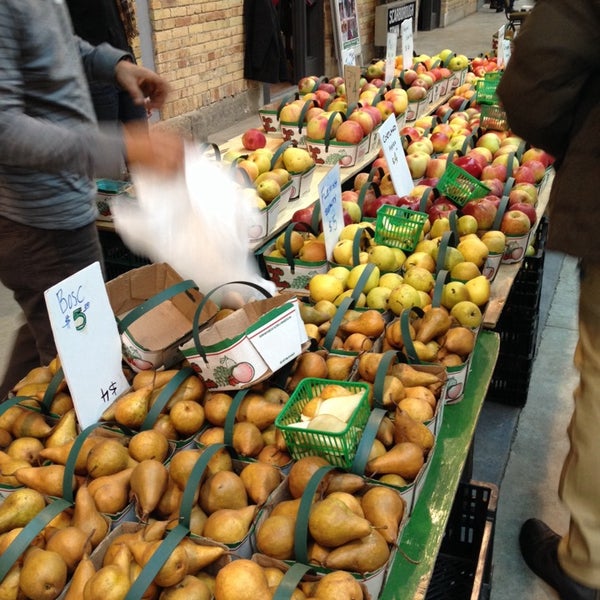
[{"x": 389, "y": 17}]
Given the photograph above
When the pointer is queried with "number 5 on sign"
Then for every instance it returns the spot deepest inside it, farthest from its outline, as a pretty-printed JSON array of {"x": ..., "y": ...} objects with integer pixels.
[{"x": 395, "y": 157}]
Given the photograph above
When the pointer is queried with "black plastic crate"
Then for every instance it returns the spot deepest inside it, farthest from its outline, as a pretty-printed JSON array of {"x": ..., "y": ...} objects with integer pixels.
[
  {"x": 510, "y": 380},
  {"x": 118, "y": 258},
  {"x": 464, "y": 564}
]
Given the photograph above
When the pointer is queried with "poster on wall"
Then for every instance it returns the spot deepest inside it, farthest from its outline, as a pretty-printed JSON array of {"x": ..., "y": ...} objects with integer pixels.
[{"x": 346, "y": 32}]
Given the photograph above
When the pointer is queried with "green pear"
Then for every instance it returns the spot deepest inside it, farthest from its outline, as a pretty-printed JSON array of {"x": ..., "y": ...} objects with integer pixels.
[{"x": 19, "y": 508}]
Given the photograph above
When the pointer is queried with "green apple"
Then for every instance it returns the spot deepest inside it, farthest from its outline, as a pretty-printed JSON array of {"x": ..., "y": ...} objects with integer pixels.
[
  {"x": 390, "y": 280},
  {"x": 370, "y": 283},
  {"x": 378, "y": 297},
  {"x": 454, "y": 292},
  {"x": 467, "y": 313},
  {"x": 479, "y": 290},
  {"x": 420, "y": 278},
  {"x": 403, "y": 297},
  {"x": 382, "y": 256}
]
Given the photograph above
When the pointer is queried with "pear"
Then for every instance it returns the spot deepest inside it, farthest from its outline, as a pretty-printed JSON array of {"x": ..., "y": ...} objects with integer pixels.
[
  {"x": 41, "y": 374},
  {"x": 435, "y": 322},
  {"x": 247, "y": 439},
  {"x": 459, "y": 340},
  {"x": 9, "y": 416},
  {"x": 370, "y": 322},
  {"x": 25, "y": 448},
  {"x": 174, "y": 568},
  {"x": 339, "y": 366},
  {"x": 189, "y": 588},
  {"x": 153, "y": 378},
  {"x": 88, "y": 518},
  {"x": 181, "y": 465},
  {"x": 191, "y": 389},
  {"x": 257, "y": 410},
  {"x": 310, "y": 314},
  {"x": 107, "y": 457},
  {"x": 165, "y": 426},
  {"x": 149, "y": 444},
  {"x": 260, "y": 479},
  {"x": 216, "y": 407},
  {"x": 275, "y": 537},
  {"x": 64, "y": 431},
  {"x": 338, "y": 584},
  {"x": 407, "y": 429},
  {"x": 47, "y": 479},
  {"x": 273, "y": 455},
  {"x": 404, "y": 459},
  {"x": 242, "y": 578},
  {"x": 43, "y": 574},
  {"x": 224, "y": 489},
  {"x": 83, "y": 572},
  {"x": 368, "y": 364},
  {"x": 230, "y": 525},
  {"x": 9, "y": 586},
  {"x": 200, "y": 556},
  {"x": 385, "y": 432},
  {"x": 422, "y": 392},
  {"x": 340, "y": 481},
  {"x": 60, "y": 454},
  {"x": 148, "y": 482},
  {"x": 131, "y": 409},
  {"x": 187, "y": 417},
  {"x": 419, "y": 409},
  {"x": 363, "y": 555},
  {"x": 409, "y": 376},
  {"x": 111, "y": 492},
  {"x": 384, "y": 508},
  {"x": 8, "y": 469},
  {"x": 342, "y": 407},
  {"x": 107, "y": 583},
  {"x": 212, "y": 435},
  {"x": 301, "y": 472},
  {"x": 5, "y": 438},
  {"x": 287, "y": 507},
  {"x": 350, "y": 500},
  {"x": 72, "y": 544},
  {"x": 331, "y": 523},
  {"x": 30, "y": 423},
  {"x": 170, "y": 501},
  {"x": 20, "y": 507}
]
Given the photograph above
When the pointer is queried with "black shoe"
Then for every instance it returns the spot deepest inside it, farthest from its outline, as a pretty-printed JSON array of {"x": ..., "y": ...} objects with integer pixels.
[
  {"x": 499, "y": 9},
  {"x": 539, "y": 546}
]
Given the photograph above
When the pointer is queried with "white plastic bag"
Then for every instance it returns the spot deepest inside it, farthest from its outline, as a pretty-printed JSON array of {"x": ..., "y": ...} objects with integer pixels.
[{"x": 196, "y": 222}]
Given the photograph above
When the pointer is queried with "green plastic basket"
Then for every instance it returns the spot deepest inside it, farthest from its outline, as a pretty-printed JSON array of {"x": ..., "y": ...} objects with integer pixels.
[
  {"x": 485, "y": 89},
  {"x": 460, "y": 186},
  {"x": 399, "y": 227},
  {"x": 337, "y": 448},
  {"x": 493, "y": 117}
]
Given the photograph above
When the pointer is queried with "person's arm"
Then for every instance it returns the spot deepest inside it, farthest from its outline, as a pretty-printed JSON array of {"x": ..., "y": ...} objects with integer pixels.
[{"x": 553, "y": 56}]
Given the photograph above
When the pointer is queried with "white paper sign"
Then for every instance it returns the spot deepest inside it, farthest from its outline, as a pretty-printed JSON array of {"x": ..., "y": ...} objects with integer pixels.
[
  {"x": 332, "y": 214},
  {"x": 506, "y": 50},
  {"x": 406, "y": 29},
  {"x": 352, "y": 81},
  {"x": 390, "y": 55},
  {"x": 395, "y": 157},
  {"x": 500, "y": 49},
  {"x": 88, "y": 342}
]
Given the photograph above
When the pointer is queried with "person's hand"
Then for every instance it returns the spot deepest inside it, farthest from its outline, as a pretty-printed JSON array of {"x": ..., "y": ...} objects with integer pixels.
[
  {"x": 155, "y": 149},
  {"x": 145, "y": 87}
]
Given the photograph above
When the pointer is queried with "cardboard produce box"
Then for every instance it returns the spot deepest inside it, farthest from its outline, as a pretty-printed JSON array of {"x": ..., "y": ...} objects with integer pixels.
[
  {"x": 249, "y": 345},
  {"x": 155, "y": 308}
]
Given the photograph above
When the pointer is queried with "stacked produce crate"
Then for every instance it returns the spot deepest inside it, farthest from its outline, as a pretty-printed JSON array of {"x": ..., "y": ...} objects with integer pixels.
[{"x": 518, "y": 328}]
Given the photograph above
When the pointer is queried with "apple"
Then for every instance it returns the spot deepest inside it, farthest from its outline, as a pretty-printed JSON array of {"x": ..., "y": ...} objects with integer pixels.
[
  {"x": 528, "y": 209},
  {"x": 524, "y": 174},
  {"x": 316, "y": 128},
  {"x": 435, "y": 169},
  {"x": 417, "y": 163},
  {"x": 489, "y": 140},
  {"x": 423, "y": 144},
  {"x": 364, "y": 119},
  {"x": 456, "y": 143},
  {"x": 537, "y": 154},
  {"x": 372, "y": 205},
  {"x": 385, "y": 108},
  {"x": 495, "y": 185},
  {"x": 352, "y": 210},
  {"x": 415, "y": 93},
  {"x": 303, "y": 216},
  {"x": 374, "y": 113},
  {"x": 441, "y": 207},
  {"x": 307, "y": 84},
  {"x": 483, "y": 210},
  {"x": 327, "y": 86},
  {"x": 349, "y": 196},
  {"x": 515, "y": 222},
  {"x": 253, "y": 138},
  {"x": 337, "y": 104},
  {"x": 478, "y": 155},
  {"x": 494, "y": 171},
  {"x": 530, "y": 189},
  {"x": 537, "y": 167},
  {"x": 350, "y": 132},
  {"x": 469, "y": 164}
]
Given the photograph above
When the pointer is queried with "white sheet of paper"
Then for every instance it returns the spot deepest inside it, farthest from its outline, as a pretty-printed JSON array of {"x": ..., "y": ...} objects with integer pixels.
[
  {"x": 88, "y": 342},
  {"x": 332, "y": 214},
  {"x": 390, "y": 55},
  {"x": 406, "y": 31},
  {"x": 395, "y": 157}
]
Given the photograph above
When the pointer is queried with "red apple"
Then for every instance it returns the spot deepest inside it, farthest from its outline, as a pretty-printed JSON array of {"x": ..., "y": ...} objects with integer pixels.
[
  {"x": 515, "y": 222},
  {"x": 323, "y": 98},
  {"x": 386, "y": 108},
  {"x": 469, "y": 164},
  {"x": 481, "y": 158},
  {"x": 316, "y": 128},
  {"x": 495, "y": 185},
  {"x": 364, "y": 119},
  {"x": 523, "y": 174},
  {"x": 537, "y": 167},
  {"x": 372, "y": 204},
  {"x": 327, "y": 87},
  {"x": 519, "y": 196},
  {"x": 307, "y": 84},
  {"x": 373, "y": 112},
  {"x": 416, "y": 93},
  {"x": 252, "y": 139},
  {"x": 537, "y": 154},
  {"x": 429, "y": 181},
  {"x": 303, "y": 216},
  {"x": 441, "y": 207},
  {"x": 497, "y": 171},
  {"x": 530, "y": 189},
  {"x": 409, "y": 76},
  {"x": 484, "y": 211},
  {"x": 528, "y": 209},
  {"x": 435, "y": 167},
  {"x": 350, "y": 132},
  {"x": 439, "y": 140}
]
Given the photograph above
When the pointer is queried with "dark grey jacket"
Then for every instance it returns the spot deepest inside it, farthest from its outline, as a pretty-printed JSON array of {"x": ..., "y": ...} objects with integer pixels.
[{"x": 551, "y": 93}]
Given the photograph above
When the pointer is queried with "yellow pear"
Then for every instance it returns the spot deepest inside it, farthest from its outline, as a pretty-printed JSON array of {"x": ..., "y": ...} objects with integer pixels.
[
  {"x": 479, "y": 290},
  {"x": 242, "y": 578}
]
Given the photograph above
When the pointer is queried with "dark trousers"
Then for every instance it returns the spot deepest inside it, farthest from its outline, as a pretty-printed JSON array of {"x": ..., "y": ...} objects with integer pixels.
[
  {"x": 31, "y": 261},
  {"x": 113, "y": 104}
]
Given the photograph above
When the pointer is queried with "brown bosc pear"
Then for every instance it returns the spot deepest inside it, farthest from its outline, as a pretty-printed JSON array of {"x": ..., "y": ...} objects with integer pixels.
[
  {"x": 191, "y": 389},
  {"x": 148, "y": 482},
  {"x": 216, "y": 407},
  {"x": 173, "y": 570},
  {"x": 9, "y": 586},
  {"x": 301, "y": 471},
  {"x": 9, "y": 469},
  {"x": 411, "y": 377},
  {"x": 131, "y": 409},
  {"x": 83, "y": 572},
  {"x": 339, "y": 367},
  {"x": 340, "y": 481},
  {"x": 30, "y": 424},
  {"x": 43, "y": 574},
  {"x": 60, "y": 454},
  {"x": 6, "y": 438},
  {"x": 72, "y": 544},
  {"x": 230, "y": 525},
  {"x": 27, "y": 448},
  {"x": 41, "y": 374},
  {"x": 190, "y": 588},
  {"x": 331, "y": 523},
  {"x": 64, "y": 431},
  {"x": 260, "y": 479},
  {"x": 153, "y": 378},
  {"x": 47, "y": 479},
  {"x": 338, "y": 584},
  {"x": 275, "y": 537},
  {"x": 19, "y": 508},
  {"x": 407, "y": 429},
  {"x": 363, "y": 555},
  {"x": 385, "y": 432},
  {"x": 308, "y": 364},
  {"x": 384, "y": 507},
  {"x": 224, "y": 489},
  {"x": 111, "y": 492},
  {"x": 247, "y": 439},
  {"x": 255, "y": 409},
  {"x": 88, "y": 518},
  {"x": 405, "y": 459},
  {"x": 241, "y": 578},
  {"x": 107, "y": 582},
  {"x": 107, "y": 457},
  {"x": 435, "y": 322},
  {"x": 369, "y": 322},
  {"x": 368, "y": 364},
  {"x": 200, "y": 556}
]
